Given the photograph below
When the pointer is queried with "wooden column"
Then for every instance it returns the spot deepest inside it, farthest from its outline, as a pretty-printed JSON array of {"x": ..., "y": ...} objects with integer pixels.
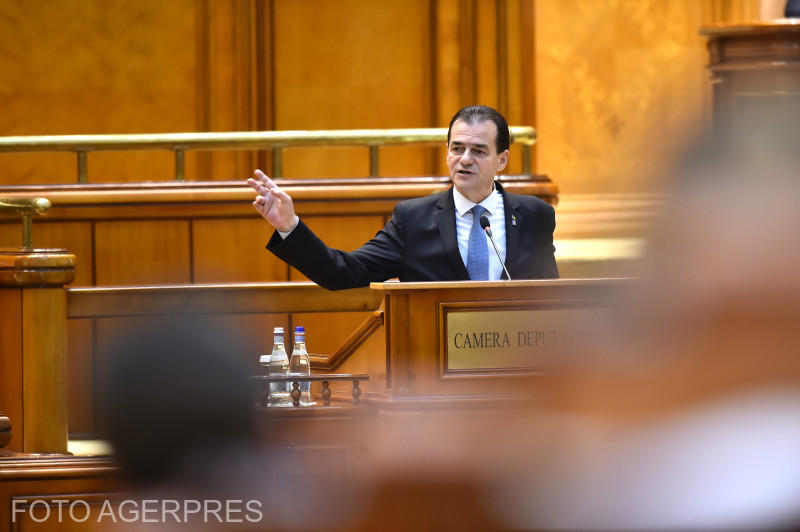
[
  {"x": 755, "y": 75},
  {"x": 33, "y": 320}
]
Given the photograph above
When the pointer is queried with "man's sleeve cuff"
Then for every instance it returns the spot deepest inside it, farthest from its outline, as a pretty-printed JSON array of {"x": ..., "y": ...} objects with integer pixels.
[{"x": 285, "y": 234}]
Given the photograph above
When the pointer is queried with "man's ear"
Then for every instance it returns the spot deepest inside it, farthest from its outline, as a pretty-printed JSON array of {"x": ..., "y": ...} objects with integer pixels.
[{"x": 502, "y": 161}]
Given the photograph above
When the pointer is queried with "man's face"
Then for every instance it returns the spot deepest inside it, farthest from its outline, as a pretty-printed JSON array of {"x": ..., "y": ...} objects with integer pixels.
[{"x": 473, "y": 159}]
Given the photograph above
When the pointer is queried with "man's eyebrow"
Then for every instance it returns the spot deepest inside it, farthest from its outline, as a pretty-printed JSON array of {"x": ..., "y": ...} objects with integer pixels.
[{"x": 485, "y": 146}]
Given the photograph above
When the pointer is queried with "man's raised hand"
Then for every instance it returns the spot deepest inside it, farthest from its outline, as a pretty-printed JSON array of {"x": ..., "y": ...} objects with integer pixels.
[{"x": 272, "y": 203}]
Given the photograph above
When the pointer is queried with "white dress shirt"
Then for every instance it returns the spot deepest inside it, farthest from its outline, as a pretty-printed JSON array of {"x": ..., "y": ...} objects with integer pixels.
[{"x": 497, "y": 218}]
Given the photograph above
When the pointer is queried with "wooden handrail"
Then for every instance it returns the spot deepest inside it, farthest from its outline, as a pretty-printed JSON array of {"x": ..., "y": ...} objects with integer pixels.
[
  {"x": 360, "y": 335},
  {"x": 392, "y": 188},
  {"x": 208, "y": 299},
  {"x": 246, "y": 140},
  {"x": 33, "y": 467}
]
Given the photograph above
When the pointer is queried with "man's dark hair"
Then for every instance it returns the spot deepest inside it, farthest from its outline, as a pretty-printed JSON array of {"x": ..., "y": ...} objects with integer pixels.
[{"x": 481, "y": 113}]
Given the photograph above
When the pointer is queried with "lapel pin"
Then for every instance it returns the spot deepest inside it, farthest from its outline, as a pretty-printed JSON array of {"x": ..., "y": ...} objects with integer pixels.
[{"x": 513, "y": 219}]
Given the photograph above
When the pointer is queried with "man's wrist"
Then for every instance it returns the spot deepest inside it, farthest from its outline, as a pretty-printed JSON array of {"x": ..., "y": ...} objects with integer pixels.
[{"x": 286, "y": 233}]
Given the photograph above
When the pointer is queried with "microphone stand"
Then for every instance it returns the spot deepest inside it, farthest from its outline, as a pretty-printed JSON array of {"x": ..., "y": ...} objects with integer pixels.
[{"x": 488, "y": 229}]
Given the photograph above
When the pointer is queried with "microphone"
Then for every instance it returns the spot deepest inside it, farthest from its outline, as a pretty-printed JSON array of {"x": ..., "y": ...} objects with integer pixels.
[{"x": 487, "y": 227}]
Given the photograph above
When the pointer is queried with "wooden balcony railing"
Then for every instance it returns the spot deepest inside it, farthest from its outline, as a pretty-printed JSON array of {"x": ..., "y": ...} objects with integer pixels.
[{"x": 211, "y": 299}]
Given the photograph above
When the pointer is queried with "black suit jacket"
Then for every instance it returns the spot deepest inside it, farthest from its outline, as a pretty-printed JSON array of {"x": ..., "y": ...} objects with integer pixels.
[{"x": 419, "y": 243}]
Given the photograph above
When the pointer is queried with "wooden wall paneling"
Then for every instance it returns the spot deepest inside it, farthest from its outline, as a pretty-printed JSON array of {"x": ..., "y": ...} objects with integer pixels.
[
  {"x": 87, "y": 68},
  {"x": 324, "y": 161},
  {"x": 620, "y": 89},
  {"x": 497, "y": 77},
  {"x": 234, "y": 250},
  {"x": 404, "y": 161},
  {"x": 327, "y": 331},
  {"x": 30, "y": 75},
  {"x": 38, "y": 168},
  {"x": 254, "y": 335},
  {"x": 447, "y": 62},
  {"x": 218, "y": 85},
  {"x": 369, "y": 358},
  {"x": 510, "y": 72},
  {"x": 734, "y": 10},
  {"x": 349, "y": 64},
  {"x": 234, "y": 83},
  {"x": 504, "y": 39},
  {"x": 468, "y": 49},
  {"x": 142, "y": 252},
  {"x": 266, "y": 63},
  {"x": 435, "y": 154},
  {"x": 198, "y": 163},
  {"x": 526, "y": 51},
  {"x": 75, "y": 237},
  {"x": 481, "y": 61},
  {"x": 130, "y": 166},
  {"x": 262, "y": 82},
  {"x": 11, "y": 232},
  {"x": 81, "y": 418},
  {"x": 11, "y": 363}
]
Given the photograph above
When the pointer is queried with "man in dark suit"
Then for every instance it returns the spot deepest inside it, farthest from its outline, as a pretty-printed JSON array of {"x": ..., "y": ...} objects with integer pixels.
[{"x": 435, "y": 238}]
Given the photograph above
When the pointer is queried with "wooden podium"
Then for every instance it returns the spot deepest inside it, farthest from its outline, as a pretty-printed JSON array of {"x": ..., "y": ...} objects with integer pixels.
[{"x": 470, "y": 340}]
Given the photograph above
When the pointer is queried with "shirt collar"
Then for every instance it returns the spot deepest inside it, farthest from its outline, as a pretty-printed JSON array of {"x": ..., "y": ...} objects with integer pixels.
[{"x": 463, "y": 205}]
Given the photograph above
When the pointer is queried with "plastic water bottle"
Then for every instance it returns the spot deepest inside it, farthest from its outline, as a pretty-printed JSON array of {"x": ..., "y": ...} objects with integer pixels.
[
  {"x": 299, "y": 364},
  {"x": 279, "y": 365}
]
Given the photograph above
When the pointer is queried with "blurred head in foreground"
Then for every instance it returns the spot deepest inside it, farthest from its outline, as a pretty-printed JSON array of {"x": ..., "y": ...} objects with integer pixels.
[
  {"x": 688, "y": 417},
  {"x": 175, "y": 391}
]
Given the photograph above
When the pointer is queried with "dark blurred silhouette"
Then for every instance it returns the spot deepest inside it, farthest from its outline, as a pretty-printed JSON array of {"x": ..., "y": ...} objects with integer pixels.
[{"x": 175, "y": 392}]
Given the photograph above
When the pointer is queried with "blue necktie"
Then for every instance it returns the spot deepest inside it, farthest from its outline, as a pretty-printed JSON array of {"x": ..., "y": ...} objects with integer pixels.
[{"x": 477, "y": 250}]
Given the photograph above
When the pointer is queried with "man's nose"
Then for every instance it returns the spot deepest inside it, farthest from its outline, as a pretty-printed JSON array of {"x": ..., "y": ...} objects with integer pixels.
[{"x": 466, "y": 157}]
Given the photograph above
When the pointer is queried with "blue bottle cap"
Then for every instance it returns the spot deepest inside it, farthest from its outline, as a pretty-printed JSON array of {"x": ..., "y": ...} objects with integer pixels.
[{"x": 299, "y": 330}]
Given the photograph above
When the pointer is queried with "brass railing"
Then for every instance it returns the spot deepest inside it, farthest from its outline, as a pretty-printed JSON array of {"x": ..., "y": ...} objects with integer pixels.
[
  {"x": 27, "y": 207},
  {"x": 275, "y": 141}
]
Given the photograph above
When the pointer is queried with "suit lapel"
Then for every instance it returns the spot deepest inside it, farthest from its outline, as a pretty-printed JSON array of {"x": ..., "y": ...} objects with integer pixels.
[
  {"x": 513, "y": 218},
  {"x": 446, "y": 220}
]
